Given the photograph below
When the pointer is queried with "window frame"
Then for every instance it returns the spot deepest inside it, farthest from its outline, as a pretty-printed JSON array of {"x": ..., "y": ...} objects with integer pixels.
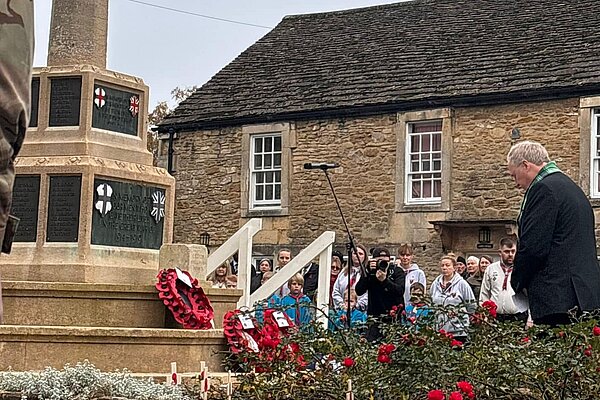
[
  {"x": 403, "y": 119},
  {"x": 587, "y": 107},
  {"x": 408, "y": 193},
  {"x": 288, "y": 142},
  {"x": 255, "y": 204},
  {"x": 594, "y": 152}
]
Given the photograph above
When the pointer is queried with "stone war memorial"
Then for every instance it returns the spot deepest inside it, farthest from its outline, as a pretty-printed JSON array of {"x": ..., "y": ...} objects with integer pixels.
[{"x": 94, "y": 213}]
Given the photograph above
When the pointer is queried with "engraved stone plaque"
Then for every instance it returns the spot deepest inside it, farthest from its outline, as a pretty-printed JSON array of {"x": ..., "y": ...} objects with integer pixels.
[
  {"x": 115, "y": 110},
  {"x": 65, "y": 100},
  {"x": 127, "y": 214},
  {"x": 63, "y": 209},
  {"x": 35, "y": 102},
  {"x": 25, "y": 206}
]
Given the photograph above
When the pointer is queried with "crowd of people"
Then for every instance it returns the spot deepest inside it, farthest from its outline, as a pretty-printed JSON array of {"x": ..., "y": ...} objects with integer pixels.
[
  {"x": 373, "y": 284},
  {"x": 551, "y": 277}
]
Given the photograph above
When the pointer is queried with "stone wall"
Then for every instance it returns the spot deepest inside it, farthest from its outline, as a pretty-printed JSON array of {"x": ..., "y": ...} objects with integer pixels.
[
  {"x": 481, "y": 186},
  {"x": 209, "y": 163}
]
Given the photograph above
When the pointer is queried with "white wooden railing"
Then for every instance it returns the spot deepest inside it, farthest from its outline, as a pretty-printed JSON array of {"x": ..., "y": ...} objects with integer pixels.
[
  {"x": 321, "y": 247},
  {"x": 241, "y": 243}
]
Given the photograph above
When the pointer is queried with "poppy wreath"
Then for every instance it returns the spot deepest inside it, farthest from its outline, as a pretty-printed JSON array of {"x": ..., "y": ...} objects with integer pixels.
[
  {"x": 239, "y": 338},
  {"x": 189, "y": 305}
]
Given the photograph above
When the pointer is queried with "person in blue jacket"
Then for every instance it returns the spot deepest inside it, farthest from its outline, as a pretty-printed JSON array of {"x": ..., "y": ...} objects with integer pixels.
[
  {"x": 296, "y": 304},
  {"x": 357, "y": 317}
]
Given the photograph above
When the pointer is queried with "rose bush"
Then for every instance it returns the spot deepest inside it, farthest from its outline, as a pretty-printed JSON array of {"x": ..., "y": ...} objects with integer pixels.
[{"x": 417, "y": 360}]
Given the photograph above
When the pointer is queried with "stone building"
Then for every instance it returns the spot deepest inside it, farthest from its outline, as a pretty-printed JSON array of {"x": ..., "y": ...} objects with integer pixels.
[{"x": 418, "y": 102}]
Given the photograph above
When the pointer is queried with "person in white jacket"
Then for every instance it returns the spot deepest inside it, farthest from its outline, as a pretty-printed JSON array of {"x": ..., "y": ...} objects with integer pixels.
[
  {"x": 412, "y": 270},
  {"x": 341, "y": 283},
  {"x": 496, "y": 287},
  {"x": 450, "y": 289}
]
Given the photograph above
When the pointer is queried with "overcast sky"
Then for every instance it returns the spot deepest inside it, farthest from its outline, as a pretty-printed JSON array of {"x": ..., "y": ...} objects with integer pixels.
[{"x": 169, "y": 49}]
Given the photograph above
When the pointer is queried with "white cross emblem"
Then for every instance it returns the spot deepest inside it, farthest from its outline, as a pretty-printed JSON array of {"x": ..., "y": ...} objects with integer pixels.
[{"x": 103, "y": 200}]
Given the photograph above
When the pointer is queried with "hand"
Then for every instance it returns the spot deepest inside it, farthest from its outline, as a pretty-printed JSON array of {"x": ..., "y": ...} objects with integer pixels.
[{"x": 381, "y": 275}]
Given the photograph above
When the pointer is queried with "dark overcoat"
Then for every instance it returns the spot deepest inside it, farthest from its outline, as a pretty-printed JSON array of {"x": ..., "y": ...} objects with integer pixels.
[{"x": 556, "y": 254}]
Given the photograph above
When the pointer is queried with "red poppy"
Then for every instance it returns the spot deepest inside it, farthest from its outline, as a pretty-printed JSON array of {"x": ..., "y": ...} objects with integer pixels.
[
  {"x": 436, "y": 395},
  {"x": 384, "y": 358},
  {"x": 464, "y": 386},
  {"x": 348, "y": 362},
  {"x": 456, "y": 343},
  {"x": 525, "y": 340},
  {"x": 455, "y": 396},
  {"x": 587, "y": 353}
]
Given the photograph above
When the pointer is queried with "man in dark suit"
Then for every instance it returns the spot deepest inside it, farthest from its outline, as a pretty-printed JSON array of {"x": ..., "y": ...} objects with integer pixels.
[{"x": 556, "y": 262}]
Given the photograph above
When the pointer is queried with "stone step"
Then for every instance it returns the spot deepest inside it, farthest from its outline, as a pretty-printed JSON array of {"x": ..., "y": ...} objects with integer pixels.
[
  {"x": 94, "y": 304},
  {"x": 140, "y": 350}
]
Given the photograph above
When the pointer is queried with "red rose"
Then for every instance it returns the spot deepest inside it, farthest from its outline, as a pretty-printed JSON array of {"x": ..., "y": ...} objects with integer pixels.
[
  {"x": 562, "y": 334},
  {"x": 456, "y": 343},
  {"x": 596, "y": 331},
  {"x": 587, "y": 353},
  {"x": 435, "y": 395},
  {"x": 455, "y": 396},
  {"x": 348, "y": 362},
  {"x": 384, "y": 358},
  {"x": 387, "y": 348},
  {"x": 464, "y": 386},
  {"x": 550, "y": 371},
  {"x": 394, "y": 308},
  {"x": 471, "y": 395}
]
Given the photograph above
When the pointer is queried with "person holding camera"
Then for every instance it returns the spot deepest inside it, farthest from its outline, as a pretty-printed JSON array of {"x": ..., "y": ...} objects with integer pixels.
[{"x": 384, "y": 282}]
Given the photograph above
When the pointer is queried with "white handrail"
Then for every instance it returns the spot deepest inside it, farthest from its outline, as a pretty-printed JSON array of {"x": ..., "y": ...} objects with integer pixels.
[
  {"x": 322, "y": 247},
  {"x": 241, "y": 243}
]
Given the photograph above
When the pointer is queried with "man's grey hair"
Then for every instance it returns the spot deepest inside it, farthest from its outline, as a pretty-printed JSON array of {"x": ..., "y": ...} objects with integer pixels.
[{"x": 527, "y": 150}]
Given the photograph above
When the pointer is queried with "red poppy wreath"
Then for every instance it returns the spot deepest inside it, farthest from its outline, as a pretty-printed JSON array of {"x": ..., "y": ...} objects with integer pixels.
[{"x": 188, "y": 302}]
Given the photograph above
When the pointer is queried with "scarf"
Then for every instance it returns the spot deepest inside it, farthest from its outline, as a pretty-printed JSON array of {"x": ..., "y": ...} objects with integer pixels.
[{"x": 548, "y": 169}]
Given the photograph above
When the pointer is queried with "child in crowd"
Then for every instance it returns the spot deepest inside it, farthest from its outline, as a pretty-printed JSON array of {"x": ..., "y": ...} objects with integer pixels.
[
  {"x": 416, "y": 309},
  {"x": 296, "y": 303},
  {"x": 412, "y": 270},
  {"x": 340, "y": 318},
  {"x": 231, "y": 282}
]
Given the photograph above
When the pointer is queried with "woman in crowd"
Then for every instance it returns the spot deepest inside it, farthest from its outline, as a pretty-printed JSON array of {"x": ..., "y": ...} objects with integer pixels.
[
  {"x": 450, "y": 289},
  {"x": 263, "y": 266},
  {"x": 411, "y": 269},
  {"x": 218, "y": 277},
  {"x": 475, "y": 275},
  {"x": 341, "y": 283},
  {"x": 484, "y": 262},
  {"x": 337, "y": 263}
]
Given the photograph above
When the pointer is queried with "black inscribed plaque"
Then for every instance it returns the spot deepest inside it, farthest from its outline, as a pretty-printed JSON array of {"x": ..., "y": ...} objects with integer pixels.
[
  {"x": 128, "y": 214},
  {"x": 65, "y": 100},
  {"x": 63, "y": 209},
  {"x": 25, "y": 206},
  {"x": 115, "y": 110},
  {"x": 35, "y": 102}
]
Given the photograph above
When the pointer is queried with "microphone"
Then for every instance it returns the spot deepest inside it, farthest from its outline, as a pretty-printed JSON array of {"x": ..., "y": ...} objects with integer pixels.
[{"x": 323, "y": 166}]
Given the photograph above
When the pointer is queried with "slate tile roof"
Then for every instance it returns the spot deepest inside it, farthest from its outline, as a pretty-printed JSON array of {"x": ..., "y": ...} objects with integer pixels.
[{"x": 403, "y": 55}]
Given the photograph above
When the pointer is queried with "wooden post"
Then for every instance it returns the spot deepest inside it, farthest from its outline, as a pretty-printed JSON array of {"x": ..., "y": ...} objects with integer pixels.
[
  {"x": 229, "y": 386},
  {"x": 349, "y": 394},
  {"x": 174, "y": 377}
]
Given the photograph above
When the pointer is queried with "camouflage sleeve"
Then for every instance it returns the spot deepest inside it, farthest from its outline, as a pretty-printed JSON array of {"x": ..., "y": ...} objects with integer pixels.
[{"x": 16, "y": 56}]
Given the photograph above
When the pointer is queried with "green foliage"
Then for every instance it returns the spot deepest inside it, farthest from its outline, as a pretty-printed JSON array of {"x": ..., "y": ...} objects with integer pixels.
[{"x": 500, "y": 360}]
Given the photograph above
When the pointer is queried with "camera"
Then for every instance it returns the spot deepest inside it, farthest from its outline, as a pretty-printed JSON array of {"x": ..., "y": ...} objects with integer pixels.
[{"x": 380, "y": 265}]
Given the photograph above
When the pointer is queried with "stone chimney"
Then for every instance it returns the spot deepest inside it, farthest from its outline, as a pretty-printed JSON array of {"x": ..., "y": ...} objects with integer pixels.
[{"x": 78, "y": 33}]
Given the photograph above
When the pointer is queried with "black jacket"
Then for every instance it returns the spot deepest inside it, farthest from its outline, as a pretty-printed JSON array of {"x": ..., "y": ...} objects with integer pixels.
[
  {"x": 383, "y": 295},
  {"x": 556, "y": 254}
]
